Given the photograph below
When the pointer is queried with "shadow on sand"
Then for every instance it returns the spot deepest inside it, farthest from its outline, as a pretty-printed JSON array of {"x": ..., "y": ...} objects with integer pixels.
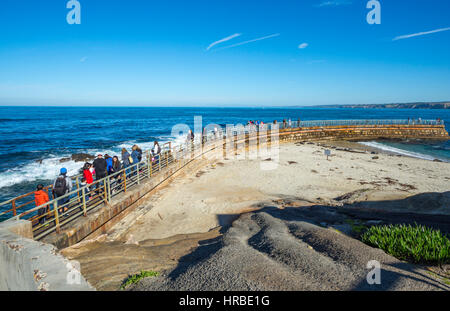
[{"x": 362, "y": 211}]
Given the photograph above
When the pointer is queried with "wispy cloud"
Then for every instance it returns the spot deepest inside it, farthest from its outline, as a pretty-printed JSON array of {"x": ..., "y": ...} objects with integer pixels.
[
  {"x": 420, "y": 34},
  {"x": 303, "y": 46},
  {"x": 83, "y": 59},
  {"x": 249, "y": 41},
  {"x": 333, "y": 3},
  {"x": 223, "y": 40},
  {"x": 316, "y": 61}
]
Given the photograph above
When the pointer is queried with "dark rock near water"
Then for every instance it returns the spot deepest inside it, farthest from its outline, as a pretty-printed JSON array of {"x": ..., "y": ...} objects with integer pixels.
[{"x": 82, "y": 157}]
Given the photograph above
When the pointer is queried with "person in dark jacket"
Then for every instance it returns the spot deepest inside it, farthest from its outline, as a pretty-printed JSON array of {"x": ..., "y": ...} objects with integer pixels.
[
  {"x": 139, "y": 151},
  {"x": 116, "y": 167},
  {"x": 100, "y": 167},
  {"x": 61, "y": 186}
]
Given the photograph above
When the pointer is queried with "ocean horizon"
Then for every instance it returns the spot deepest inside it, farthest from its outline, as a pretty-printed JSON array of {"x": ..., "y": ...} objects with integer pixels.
[{"x": 36, "y": 139}]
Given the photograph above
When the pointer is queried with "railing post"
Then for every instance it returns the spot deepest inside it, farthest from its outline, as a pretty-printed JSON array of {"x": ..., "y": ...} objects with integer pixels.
[
  {"x": 14, "y": 207},
  {"x": 159, "y": 160},
  {"x": 149, "y": 165},
  {"x": 106, "y": 190},
  {"x": 124, "y": 180},
  {"x": 83, "y": 193},
  {"x": 138, "y": 174},
  {"x": 55, "y": 206},
  {"x": 78, "y": 187},
  {"x": 109, "y": 187}
]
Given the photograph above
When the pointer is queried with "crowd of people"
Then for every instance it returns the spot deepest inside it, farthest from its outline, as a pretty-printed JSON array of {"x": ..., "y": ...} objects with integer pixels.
[{"x": 101, "y": 167}]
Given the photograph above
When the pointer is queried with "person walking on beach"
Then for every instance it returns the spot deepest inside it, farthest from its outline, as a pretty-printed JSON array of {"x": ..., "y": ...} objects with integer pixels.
[
  {"x": 100, "y": 167},
  {"x": 40, "y": 198},
  {"x": 61, "y": 186}
]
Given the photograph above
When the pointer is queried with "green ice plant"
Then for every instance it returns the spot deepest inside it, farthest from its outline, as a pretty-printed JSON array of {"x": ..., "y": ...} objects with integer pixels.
[
  {"x": 137, "y": 277},
  {"x": 417, "y": 244}
]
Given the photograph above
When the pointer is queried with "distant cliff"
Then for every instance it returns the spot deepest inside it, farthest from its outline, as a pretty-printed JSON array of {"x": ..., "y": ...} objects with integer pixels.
[{"x": 423, "y": 105}]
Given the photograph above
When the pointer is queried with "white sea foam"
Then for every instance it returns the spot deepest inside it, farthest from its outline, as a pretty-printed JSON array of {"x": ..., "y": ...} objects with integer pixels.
[
  {"x": 48, "y": 168},
  {"x": 398, "y": 151}
]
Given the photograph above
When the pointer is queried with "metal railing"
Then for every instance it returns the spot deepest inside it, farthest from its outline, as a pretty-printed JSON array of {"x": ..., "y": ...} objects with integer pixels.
[
  {"x": 64, "y": 209},
  {"x": 59, "y": 211},
  {"x": 324, "y": 123}
]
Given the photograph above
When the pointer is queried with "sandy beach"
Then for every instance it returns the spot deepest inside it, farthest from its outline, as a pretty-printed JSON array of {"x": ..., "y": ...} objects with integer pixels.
[{"x": 319, "y": 195}]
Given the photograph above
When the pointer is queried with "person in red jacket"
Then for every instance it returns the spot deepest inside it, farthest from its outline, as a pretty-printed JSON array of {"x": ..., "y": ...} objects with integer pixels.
[
  {"x": 88, "y": 178},
  {"x": 40, "y": 198}
]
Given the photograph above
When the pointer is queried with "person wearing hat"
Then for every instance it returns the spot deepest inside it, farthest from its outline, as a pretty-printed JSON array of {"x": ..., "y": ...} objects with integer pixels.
[{"x": 61, "y": 186}]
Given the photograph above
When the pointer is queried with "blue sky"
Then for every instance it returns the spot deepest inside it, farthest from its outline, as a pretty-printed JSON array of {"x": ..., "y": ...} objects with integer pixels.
[{"x": 223, "y": 53}]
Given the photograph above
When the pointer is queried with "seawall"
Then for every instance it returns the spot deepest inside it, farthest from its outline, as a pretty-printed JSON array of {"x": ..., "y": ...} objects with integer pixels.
[
  {"x": 31, "y": 265},
  {"x": 28, "y": 265}
]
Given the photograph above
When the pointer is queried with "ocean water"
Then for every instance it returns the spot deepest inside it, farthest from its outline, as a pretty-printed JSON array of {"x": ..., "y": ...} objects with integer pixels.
[{"x": 33, "y": 140}]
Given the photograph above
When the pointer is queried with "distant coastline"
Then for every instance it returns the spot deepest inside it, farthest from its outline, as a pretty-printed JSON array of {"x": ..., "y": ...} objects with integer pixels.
[{"x": 418, "y": 105}]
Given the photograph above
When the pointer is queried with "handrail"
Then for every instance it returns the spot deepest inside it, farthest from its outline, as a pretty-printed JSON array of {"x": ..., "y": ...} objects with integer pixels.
[{"x": 86, "y": 198}]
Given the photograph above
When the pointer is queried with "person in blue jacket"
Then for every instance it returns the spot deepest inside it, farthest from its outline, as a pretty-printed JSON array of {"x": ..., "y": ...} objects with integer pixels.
[
  {"x": 135, "y": 154},
  {"x": 109, "y": 163}
]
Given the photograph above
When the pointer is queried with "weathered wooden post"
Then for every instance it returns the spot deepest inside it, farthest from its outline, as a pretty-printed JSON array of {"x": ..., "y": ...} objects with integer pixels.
[
  {"x": 138, "y": 174},
  {"x": 14, "y": 207},
  {"x": 125, "y": 180},
  {"x": 106, "y": 190},
  {"x": 55, "y": 206},
  {"x": 83, "y": 193},
  {"x": 149, "y": 165}
]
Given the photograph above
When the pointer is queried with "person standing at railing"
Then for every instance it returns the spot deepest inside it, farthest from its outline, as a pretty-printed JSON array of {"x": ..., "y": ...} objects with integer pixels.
[
  {"x": 135, "y": 157},
  {"x": 108, "y": 163},
  {"x": 40, "y": 198},
  {"x": 190, "y": 140},
  {"x": 116, "y": 167},
  {"x": 61, "y": 186},
  {"x": 139, "y": 153},
  {"x": 100, "y": 166},
  {"x": 126, "y": 159},
  {"x": 135, "y": 154},
  {"x": 88, "y": 178},
  {"x": 156, "y": 148}
]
